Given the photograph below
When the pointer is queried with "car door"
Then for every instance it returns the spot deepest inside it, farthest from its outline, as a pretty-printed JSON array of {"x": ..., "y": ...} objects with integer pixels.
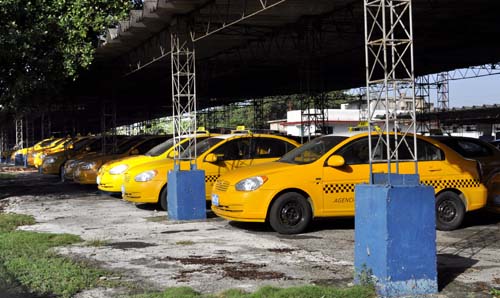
[
  {"x": 232, "y": 154},
  {"x": 338, "y": 182}
]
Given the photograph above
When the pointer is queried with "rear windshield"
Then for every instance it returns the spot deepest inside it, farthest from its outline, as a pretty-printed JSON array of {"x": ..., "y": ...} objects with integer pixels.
[{"x": 469, "y": 148}]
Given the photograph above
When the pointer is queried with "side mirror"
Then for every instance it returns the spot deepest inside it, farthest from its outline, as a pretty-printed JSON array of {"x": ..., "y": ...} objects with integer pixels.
[
  {"x": 335, "y": 161},
  {"x": 134, "y": 152},
  {"x": 172, "y": 154},
  {"x": 211, "y": 158}
]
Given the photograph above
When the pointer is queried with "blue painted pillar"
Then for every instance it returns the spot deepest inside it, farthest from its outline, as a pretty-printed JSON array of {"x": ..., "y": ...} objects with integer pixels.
[
  {"x": 186, "y": 194},
  {"x": 395, "y": 235}
]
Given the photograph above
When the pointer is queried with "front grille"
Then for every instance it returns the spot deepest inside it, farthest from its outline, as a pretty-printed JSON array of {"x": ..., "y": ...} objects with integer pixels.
[{"x": 221, "y": 185}]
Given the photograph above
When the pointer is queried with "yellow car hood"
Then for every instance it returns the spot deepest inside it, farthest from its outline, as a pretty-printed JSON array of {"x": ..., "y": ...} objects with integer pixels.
[
  {"x": 264, "y": 169},
  {"x": 130, "y": 161},
  {"x": 161, "y": 164}
]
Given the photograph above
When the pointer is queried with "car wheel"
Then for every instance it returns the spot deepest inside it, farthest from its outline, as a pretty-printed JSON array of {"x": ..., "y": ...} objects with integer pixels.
[
  {"x": 61, "y": 173},
  {"x": 290, "y": 214},
  {"x": 450, "y": 211},
  {"x": 162, "y": 200}
]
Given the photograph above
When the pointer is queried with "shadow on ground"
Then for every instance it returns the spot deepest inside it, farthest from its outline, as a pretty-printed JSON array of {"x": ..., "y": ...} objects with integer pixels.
[{"x": 36, "y": 184}]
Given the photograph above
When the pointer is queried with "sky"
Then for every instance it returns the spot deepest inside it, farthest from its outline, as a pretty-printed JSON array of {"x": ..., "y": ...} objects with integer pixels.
[{"x": 476, "y": 91}]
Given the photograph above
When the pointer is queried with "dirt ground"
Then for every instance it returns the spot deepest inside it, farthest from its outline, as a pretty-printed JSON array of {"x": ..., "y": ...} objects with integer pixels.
[{"x": 141, "y": 245}]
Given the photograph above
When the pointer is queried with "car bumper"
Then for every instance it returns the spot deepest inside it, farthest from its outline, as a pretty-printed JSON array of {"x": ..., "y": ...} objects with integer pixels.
[
  {"x": 242, "y": 206},
  {"x": 84, "y": 176},
  {"x": 52, "y": 169},
  {"x": 477, "y": 198},
  {"x": 110, "y": 183},
  {"x": 142, "y": 192}
]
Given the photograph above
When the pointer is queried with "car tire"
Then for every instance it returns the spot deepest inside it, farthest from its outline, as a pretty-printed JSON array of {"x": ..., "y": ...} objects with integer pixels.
[
  {"x": 290, "y": 213},
  {"x": 450, "y": 211},
  {"x": 162, "y": 200}
]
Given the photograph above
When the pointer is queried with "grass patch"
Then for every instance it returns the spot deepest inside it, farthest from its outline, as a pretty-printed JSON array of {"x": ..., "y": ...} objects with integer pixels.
[
  {"x": 270, "y": 292},
  {"x": 495, "y": 293},
  {"x": 97, "y": 242},
  {"x": 28, "y": 258},
  {"x": 157, "y": 218},
  {"x": 10, "y": 221},
  {"x": 184, "y": 242},
  {"x": 6, "y": 176}
]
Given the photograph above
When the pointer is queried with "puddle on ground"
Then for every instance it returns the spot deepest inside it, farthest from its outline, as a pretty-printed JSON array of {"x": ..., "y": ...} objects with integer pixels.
[
  {"x": 129, "y": 245},
  {"x": 179, "y": 231}
]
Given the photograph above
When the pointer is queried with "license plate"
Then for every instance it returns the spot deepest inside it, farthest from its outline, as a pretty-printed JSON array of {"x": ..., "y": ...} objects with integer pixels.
[
  {"x": 215, "y": 199},
  {"x": 123, "y": 189}
]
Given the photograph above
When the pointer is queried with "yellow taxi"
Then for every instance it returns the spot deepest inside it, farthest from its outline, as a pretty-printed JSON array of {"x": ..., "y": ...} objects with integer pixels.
[
  {"x": 28, "y": 152},
  {"x": 58, "y": 146},
  {"x": 35, "y": 158},
  {"x": 147, "y": 183},
  {"x": 91, "y": 149},
  {"x": 318, "y": 179},
  {"x": 86, "y": 170},
  {"x": 111, "y": 174},
  {"x": 54, "y": 162}
]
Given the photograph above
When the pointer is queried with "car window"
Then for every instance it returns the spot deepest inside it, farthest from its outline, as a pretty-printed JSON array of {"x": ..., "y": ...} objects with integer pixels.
[
  {"x": 357, "y": 152},
  {"x": 269, "y": 148},
  {"x": 46, "y": 143},
  {"x": 428, "y": 152},
  {"x": 96, "y": 145},
  {"x": 81, "y": 143},
  {"x": 312, "y": 150},
  {"x": 468, "y": 148},
  {"x": 235, "y": 149},
  {"x": 201, "y": 147}
]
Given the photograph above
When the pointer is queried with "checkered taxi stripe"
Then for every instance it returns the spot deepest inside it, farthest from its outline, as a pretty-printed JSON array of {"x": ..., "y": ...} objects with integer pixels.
[
  {"x": 211, "y": 178},
  {"x": 338, "y": 188},
  {"x": 452, "y": 183},
  {"x": 437, "y": 184}
]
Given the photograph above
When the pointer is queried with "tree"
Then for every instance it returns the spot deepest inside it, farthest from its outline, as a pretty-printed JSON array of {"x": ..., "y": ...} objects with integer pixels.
[{"x": 45, "y": 43}]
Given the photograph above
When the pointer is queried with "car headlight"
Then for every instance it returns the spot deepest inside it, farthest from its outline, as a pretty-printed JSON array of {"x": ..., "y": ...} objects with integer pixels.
[
  {"x": 50, "y": 160},
  {"x": 119, "y": 169},
  {"x": 88, "y": 165},
  {"x": 251, "y": 183},
  {"x": 146, "y": 176}
]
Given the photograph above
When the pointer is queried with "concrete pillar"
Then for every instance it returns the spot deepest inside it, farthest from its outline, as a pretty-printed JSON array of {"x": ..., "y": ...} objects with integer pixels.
[{"x": 395, "y": 236}]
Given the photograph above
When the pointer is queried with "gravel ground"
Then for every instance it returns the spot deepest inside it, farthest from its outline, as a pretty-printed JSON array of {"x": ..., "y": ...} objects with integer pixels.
[{"x": 139, "y": 244}]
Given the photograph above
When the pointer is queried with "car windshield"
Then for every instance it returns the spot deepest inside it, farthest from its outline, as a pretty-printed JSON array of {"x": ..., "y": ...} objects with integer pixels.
[
  {"x": 125, "y": 146},
  {"x": 201, "y": 147},
  {"x": 46, "y": 143},
  {"x": 81, "y": 143},
  {"x": 161, "y": 148},
  {"x": 312, "y": 151}
]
